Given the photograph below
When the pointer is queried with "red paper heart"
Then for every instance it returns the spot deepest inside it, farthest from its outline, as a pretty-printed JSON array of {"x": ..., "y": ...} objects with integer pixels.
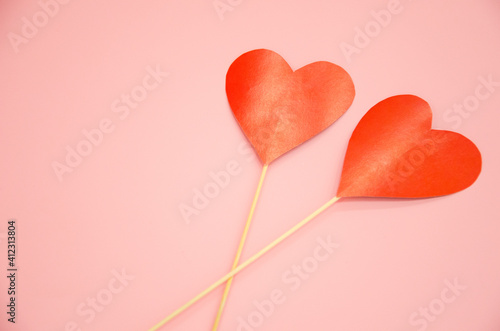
[
  {"x": 277, "y": 108},
  {"x": 394, "y": 153}
]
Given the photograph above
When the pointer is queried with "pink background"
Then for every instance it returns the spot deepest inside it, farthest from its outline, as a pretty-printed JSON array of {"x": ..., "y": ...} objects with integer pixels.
[{"x": 119, "y": 209}]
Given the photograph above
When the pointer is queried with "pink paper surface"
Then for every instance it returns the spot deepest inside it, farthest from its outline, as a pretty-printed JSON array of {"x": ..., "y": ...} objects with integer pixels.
[{"x": 112, "y": 232}]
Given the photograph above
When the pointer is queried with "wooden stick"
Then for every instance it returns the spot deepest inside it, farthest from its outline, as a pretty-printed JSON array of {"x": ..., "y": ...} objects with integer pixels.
[
  {"x": 245, "y": 264},
  {"x": 240, "y": 248}
]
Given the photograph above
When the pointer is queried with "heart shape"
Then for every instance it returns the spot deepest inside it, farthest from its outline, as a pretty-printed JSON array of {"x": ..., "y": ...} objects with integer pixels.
[
  {"x": 277, "y": 108},
  {"x": 394, "y": 153}
]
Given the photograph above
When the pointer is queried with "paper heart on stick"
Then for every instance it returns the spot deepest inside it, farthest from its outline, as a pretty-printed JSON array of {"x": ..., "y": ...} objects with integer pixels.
[
  {"x": 279, "y": 109},
  {"x": 393, "y": 152}
]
